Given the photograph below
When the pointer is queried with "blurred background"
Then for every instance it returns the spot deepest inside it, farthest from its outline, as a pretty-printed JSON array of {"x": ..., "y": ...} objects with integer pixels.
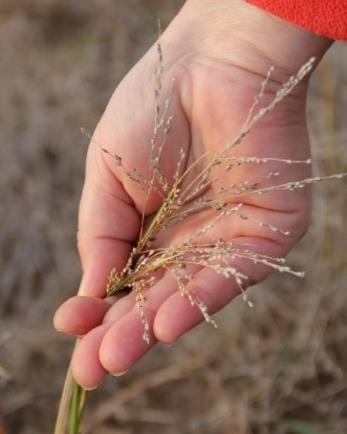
[{"x": 280, "y": 368}]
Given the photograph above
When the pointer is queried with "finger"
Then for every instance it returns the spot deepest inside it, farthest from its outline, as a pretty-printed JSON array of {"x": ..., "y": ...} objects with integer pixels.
[
  {"x": 113, "y": 198},
  {"x": 85, "y": 364},
  {"x": 108, "y": 223},
  {"x": 127, "y": 303},
  {"x": 91, "y": 374},
  {"x": 176, "y": 315},
  {"x": 80, "y": 314},
  {"x": 87, "y": 369},
  {"x": 119, "y": 309},
  {"x": 124, "y": 344}
]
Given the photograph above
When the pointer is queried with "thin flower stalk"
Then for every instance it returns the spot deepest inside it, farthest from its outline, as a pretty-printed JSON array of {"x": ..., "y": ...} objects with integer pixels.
[{"x": 182, "y": 197}]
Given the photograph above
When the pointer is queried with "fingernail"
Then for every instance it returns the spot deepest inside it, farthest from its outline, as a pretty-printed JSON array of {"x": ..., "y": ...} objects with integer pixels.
[
  {"x": 168, "y": 345},
  {"x": 88, "y": 389},
  {"x": 118, "y": 374}
]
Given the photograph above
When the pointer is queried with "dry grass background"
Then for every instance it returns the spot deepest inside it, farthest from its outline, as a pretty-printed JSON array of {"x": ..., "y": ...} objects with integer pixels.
[{"x": 278, "y": 369}]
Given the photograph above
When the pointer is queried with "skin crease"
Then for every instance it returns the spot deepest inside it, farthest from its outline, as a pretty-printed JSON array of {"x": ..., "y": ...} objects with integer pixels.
[{"x": 218, "y": 53}]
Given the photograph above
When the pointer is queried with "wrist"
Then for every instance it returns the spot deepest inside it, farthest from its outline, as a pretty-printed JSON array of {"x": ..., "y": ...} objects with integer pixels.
[{"x": 249, "y": 37}]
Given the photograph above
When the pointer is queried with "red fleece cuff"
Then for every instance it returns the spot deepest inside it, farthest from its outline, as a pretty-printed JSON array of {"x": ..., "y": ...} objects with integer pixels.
[{"x": 323, "y": 17}]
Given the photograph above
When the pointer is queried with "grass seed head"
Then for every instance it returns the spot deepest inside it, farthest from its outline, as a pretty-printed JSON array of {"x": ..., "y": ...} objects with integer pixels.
[{"x": 178, "y": 204}]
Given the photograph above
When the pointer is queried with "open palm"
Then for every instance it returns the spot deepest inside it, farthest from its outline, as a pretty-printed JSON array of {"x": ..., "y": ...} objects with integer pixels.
[{"x": 210, "y": 99}]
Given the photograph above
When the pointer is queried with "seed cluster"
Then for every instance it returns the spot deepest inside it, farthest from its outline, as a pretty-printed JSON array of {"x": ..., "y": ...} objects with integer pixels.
[{"x": 185, "y": 195}]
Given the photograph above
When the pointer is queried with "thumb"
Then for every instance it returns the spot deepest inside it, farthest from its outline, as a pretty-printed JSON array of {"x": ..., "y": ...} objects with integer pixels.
[
  {"x": 108, "y": 224},
  {"x": 109, "y": 218}
]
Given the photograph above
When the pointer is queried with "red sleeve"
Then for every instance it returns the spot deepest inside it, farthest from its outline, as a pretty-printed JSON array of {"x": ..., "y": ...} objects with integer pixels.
[{"x": 323, "y": 17}]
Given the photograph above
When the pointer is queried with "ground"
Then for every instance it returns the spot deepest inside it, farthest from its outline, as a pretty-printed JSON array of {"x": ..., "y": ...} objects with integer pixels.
[{"x": 279, "y": 368}]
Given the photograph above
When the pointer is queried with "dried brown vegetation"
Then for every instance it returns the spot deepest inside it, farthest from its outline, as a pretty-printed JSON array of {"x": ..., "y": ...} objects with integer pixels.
[{"x": 280, "y": 368}]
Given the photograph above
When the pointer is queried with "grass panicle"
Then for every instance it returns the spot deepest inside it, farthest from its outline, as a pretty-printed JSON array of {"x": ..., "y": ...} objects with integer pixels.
[{"x": 182, "y": 197}]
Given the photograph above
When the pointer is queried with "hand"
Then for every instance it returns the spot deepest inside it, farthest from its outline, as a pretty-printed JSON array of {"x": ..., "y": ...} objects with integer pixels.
[{"x": 218, "y": 56}]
